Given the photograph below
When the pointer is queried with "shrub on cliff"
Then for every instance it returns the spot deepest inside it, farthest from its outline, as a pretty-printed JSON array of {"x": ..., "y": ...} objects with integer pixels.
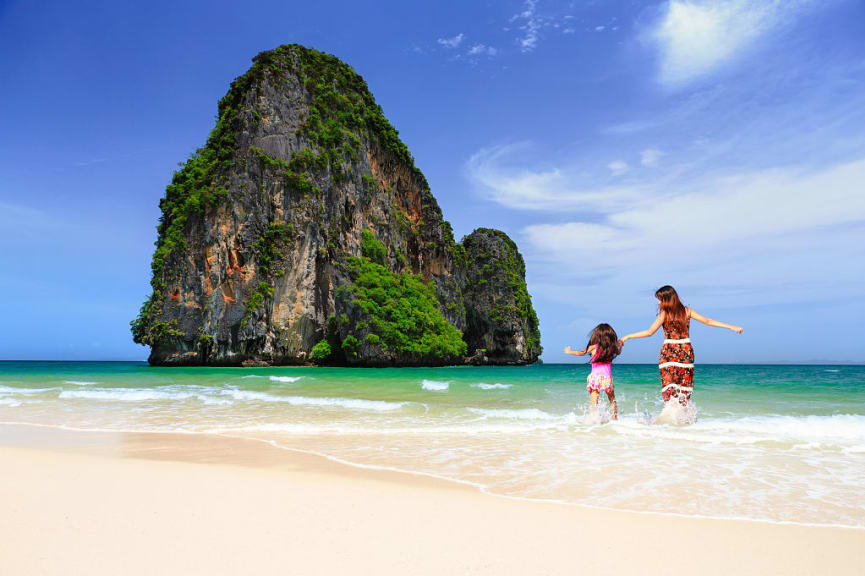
[{"x": 401, "y": 314}]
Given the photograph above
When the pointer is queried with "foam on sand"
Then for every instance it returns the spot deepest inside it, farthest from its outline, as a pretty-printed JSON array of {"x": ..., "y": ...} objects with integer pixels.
[{"x": 519, "y": 414}]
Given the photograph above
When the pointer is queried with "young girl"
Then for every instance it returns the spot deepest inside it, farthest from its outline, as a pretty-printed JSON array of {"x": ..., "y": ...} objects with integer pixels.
[
  {"x": 603, "y": 346},
  {"x": 676, "y": 363}
]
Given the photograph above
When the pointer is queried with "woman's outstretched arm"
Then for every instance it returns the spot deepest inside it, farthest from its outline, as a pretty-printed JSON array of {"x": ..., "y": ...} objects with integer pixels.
[
  {"x": 716, "y": 323},
  {"x": 648, "y": 332}
]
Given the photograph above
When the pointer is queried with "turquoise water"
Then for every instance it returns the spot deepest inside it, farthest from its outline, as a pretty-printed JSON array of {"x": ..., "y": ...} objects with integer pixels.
[{"x": 779, "y": 443}]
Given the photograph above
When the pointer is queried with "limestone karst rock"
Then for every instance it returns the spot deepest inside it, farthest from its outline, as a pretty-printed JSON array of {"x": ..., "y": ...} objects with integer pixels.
[{"x": 303, "y": 232}]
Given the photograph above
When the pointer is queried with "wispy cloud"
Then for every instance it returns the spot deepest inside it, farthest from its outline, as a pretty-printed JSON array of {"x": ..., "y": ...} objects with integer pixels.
[
  {"x": 497, "y": 173},
  {"x": 529, "y": 25},
  {"x": 650, "y": 156},
  {"x": 618, "y": 167},
  {"x": 482, "y": 50},
  {"x": 452, "y": 42},
  {"x": 625, "y": 128},
  {"x": 695, "y": 38}
]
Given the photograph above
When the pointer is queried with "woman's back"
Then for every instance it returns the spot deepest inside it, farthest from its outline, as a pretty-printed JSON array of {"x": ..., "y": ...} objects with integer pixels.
[{"x": 676, "y": 330}]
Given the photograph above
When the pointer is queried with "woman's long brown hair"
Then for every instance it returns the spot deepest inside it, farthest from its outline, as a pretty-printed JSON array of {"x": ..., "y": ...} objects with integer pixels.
[{"x": 670, "y": 305}]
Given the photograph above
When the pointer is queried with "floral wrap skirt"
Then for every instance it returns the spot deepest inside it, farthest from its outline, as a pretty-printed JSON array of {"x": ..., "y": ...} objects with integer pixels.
[{"x": 677, "y": 371}]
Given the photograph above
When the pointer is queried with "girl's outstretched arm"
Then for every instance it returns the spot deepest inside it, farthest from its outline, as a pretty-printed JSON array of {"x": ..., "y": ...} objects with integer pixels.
[
  {"x": 579, "y": 352},
  {"x": 648, "y": 332},
  {"x": 716, "y": 323}
]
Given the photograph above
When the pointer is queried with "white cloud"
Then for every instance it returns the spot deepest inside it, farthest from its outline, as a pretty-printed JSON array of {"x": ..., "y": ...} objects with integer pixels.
[
  {"x": 618, "y": 167},
  {"x": 795, "y": 232},
  {"x": 530, "y": 27},
  {"x": 626, "y": 128},
  {"x": 452, "y": 42},
  {"x": 650, "y": 156},
  {"x": 481, "y": 49},
  {"x": 600, "y": 28},
  {"x": 492, "y": 170},
  {"x": 696, "y": 37}
]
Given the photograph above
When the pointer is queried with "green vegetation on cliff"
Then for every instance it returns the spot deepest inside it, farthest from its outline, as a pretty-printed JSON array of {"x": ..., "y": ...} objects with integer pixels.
[
  {"x": 495, "y": 267},
  {"x": 372, "y": 248},
  {"x": 268, "y": 251},
  {"x": 399, "y": 311}
]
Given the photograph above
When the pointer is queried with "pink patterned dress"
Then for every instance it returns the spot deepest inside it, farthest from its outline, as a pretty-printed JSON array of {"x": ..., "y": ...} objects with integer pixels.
[{"x": 601, "y": 378}]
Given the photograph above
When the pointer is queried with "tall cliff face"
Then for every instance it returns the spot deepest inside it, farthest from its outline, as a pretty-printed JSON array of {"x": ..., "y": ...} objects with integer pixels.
[{"x": 302, "y": 231}]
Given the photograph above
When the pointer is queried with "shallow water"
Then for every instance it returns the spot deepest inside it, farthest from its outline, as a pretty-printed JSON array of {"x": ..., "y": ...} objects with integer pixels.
[{"x": 780, "y": 443}]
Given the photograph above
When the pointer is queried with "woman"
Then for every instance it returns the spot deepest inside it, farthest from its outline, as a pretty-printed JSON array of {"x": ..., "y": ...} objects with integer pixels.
[{"x": 677, "y": 354}]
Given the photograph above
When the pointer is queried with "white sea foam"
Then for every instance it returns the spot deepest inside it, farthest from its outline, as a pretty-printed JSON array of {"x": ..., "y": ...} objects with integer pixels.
[
  {"x": 513, "y": 426},
  {"x": 495, "y": 386},
  {"x": 9, "y": 402},
  {"x": 81, "y": 382},
  {"x": 251, "y": 376},
  {"x": 434, "y": 385},
  {"x": 128, "y": 394},
  {"x": 674, "y": 414},
  {"x": 13, "y": 391},
  {"x": 520, "y": 414},
  {"x": 324, "y": 402},
  {"x": 285, "y": 378},
  {"x": 829, "y": 430},
  {"x": 350, "y": 403}
]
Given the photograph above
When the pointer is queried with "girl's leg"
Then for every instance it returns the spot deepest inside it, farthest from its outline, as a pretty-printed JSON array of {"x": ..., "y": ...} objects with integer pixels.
[
  {"x": 593, "y": 400},
  {"x": 611, "y": 396}
]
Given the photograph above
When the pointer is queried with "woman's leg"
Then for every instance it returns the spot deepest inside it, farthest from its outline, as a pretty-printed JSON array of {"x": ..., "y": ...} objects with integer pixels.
[
  {"x": 593, "y": 400},
  {"x": 611, "y": 396}
]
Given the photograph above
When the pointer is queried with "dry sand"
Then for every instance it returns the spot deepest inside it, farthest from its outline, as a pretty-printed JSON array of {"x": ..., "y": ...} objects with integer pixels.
[{"x": 77, "y": 503}]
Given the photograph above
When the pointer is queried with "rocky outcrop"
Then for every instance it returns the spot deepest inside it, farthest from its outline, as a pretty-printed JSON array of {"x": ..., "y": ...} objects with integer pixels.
[
  {"x": 501, "y": 325},
  {"x": 303, "y": 232}
]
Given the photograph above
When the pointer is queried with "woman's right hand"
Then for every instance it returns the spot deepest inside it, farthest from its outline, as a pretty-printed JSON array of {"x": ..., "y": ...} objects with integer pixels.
[{"x": 737, "y": 329}]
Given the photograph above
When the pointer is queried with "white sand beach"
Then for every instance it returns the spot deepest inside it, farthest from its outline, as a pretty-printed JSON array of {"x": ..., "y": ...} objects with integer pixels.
[{"x": 89, "y": 503}]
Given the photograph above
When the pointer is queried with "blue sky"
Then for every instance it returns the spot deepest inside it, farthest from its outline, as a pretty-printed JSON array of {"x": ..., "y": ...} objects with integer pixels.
[{"x": 717, "y": 146}]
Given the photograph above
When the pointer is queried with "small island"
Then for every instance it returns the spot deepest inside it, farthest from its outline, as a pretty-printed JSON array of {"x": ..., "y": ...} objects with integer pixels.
[{"x": 302, "y": 232}]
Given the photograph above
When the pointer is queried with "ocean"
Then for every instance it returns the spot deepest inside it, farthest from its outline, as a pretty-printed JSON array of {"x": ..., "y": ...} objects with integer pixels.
[{"x": 771, "y": 443}]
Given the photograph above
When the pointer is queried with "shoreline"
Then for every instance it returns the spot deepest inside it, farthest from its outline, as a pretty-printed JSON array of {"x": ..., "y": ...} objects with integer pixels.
[
  {"x": 311, "y": 365},
  {"x": 145, "y": 503},
  {"x": 340, "y": 466}
]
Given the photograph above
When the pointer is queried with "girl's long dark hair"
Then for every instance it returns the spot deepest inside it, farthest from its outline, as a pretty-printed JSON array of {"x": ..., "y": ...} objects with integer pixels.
[
  {"x": 607, "y": 342},
  {"x": 670, "y": 305}
]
